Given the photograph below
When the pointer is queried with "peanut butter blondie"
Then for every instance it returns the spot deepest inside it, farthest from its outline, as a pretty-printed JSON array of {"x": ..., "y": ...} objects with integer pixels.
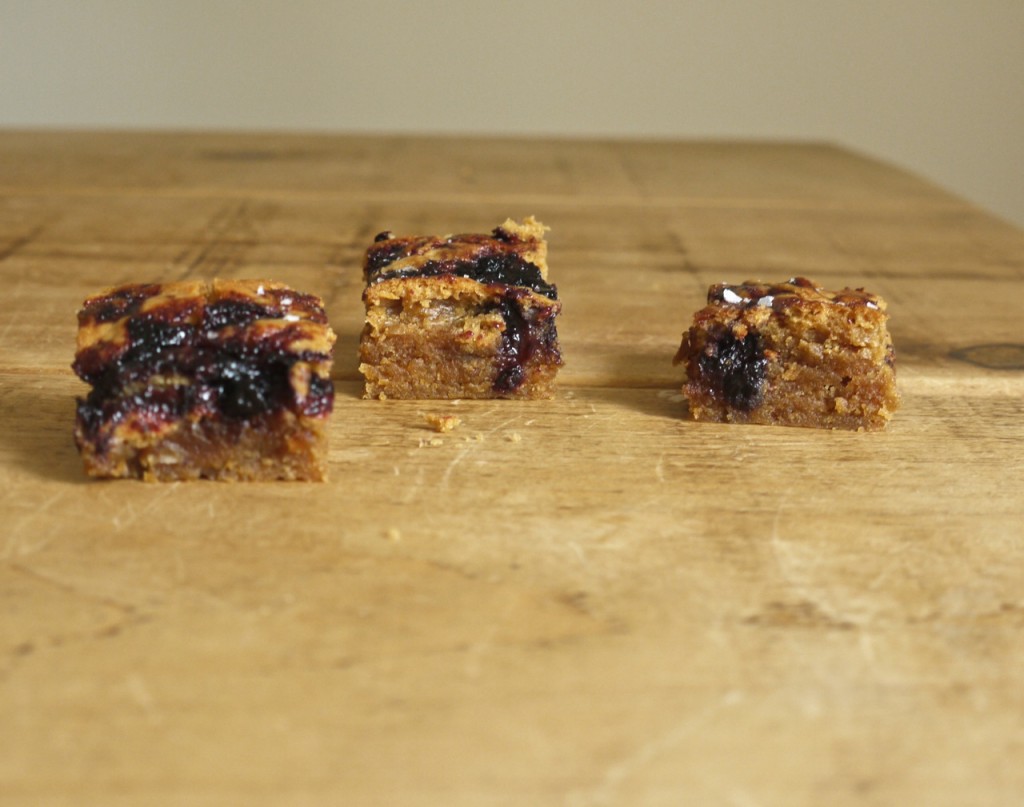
[
  {"x": 460, "y": 316},
  {"x": 221, "y": 380},
  {"x": 790, "y": 354}
]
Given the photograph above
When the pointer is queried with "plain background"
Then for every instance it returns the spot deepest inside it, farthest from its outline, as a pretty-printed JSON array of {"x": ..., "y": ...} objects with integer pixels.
[{"x": 936, "y": 86}]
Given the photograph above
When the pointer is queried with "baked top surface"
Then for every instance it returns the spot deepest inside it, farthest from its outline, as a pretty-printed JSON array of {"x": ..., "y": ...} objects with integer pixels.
[
  {"x": 250, "y": 316},
  {"x": 513, "y": 254},
  {"x": 789, "y": 292}
]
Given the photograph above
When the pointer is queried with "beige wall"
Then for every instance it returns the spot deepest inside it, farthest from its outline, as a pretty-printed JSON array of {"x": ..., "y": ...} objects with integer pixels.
[{"x": 934, "y": 85}]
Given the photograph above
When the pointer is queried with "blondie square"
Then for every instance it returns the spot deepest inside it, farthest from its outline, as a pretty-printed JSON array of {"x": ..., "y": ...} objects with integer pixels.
[
  {"x": 221, "y": 380},
  {"x": 460, "y": 316},
  {"x": 790, "y": 354}
]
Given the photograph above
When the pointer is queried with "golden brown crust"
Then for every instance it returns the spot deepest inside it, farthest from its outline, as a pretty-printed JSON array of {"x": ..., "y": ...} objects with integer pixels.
[
  {"x": 409, "y": 254},
  {"x": 789, "y": 292},
  {"x": 281, "y": 447}
]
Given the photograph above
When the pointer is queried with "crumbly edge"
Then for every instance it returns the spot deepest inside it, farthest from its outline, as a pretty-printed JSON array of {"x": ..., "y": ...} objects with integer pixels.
[
  {"x": 282, "y": 446},
  {"x": 530, "y": 232}
]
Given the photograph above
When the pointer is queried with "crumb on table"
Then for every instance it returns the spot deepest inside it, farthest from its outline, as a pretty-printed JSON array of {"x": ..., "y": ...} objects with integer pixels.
[{"x": 442, "y": 423}]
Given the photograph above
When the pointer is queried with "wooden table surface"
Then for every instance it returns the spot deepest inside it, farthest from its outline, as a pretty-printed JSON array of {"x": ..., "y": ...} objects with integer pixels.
[{"x": 586, "y": 601}]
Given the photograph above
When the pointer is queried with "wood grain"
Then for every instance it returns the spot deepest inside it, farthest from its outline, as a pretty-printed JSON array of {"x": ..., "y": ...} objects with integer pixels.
[{"x": 588, "y": 601}]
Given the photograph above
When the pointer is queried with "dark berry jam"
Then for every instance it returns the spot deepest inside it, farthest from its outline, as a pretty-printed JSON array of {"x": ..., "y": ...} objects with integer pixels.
[
  {"x": 122, "y": 302},
  {"x": 150, "y": 338},
  {"x": 169, "y": 367},
  {"x": 245, "y": 389},
  {"x": 385, "y": 252},
  {"x": 504, "y": 268},
  {"x": 230, "y": 311},
  {"x": 525, "y": 336},
  {"x": 735, "y": 369}
]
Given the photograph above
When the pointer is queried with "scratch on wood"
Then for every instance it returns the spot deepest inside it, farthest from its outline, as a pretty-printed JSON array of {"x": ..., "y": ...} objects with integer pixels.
[
  {"x": 800, "y": 614},
  {"x": 71, "y": 589},
  {"x": 143, "y": 697},
  {"x": 17, "y": 544},
  {"x": 605, "y": 791},
  {"x": 410, "y": 492},
  {"x": 458, "y": 458},
  {"x": 446, "y": 477},
  {"x": 132, "y": 515},
  {"x": 479, "y": 649},
  {"x": 792, "y": 569},
  {"x": 20, "y": 243}
]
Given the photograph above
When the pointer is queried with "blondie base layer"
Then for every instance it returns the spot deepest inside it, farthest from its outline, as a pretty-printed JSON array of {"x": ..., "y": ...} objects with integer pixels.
[
  {"x": 790, "y": 354},
  {"x": 223, "y": 380},
  {"x": 461, "y": 316}
]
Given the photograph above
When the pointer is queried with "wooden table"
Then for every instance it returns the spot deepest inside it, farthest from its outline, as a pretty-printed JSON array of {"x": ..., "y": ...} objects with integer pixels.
[{"x": 587, "y": 601}]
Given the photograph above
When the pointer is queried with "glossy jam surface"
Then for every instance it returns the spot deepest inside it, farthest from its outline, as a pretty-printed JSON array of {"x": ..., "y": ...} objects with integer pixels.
[
  {"x": 498, "y": 268},
  {"x": 184, "y": 354},
  {"x": 485, "y": 259},
  {"x": 524, "y": 338},
  {"x": 120, "y": 302},
  {"x": 513, "y": 253}
]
